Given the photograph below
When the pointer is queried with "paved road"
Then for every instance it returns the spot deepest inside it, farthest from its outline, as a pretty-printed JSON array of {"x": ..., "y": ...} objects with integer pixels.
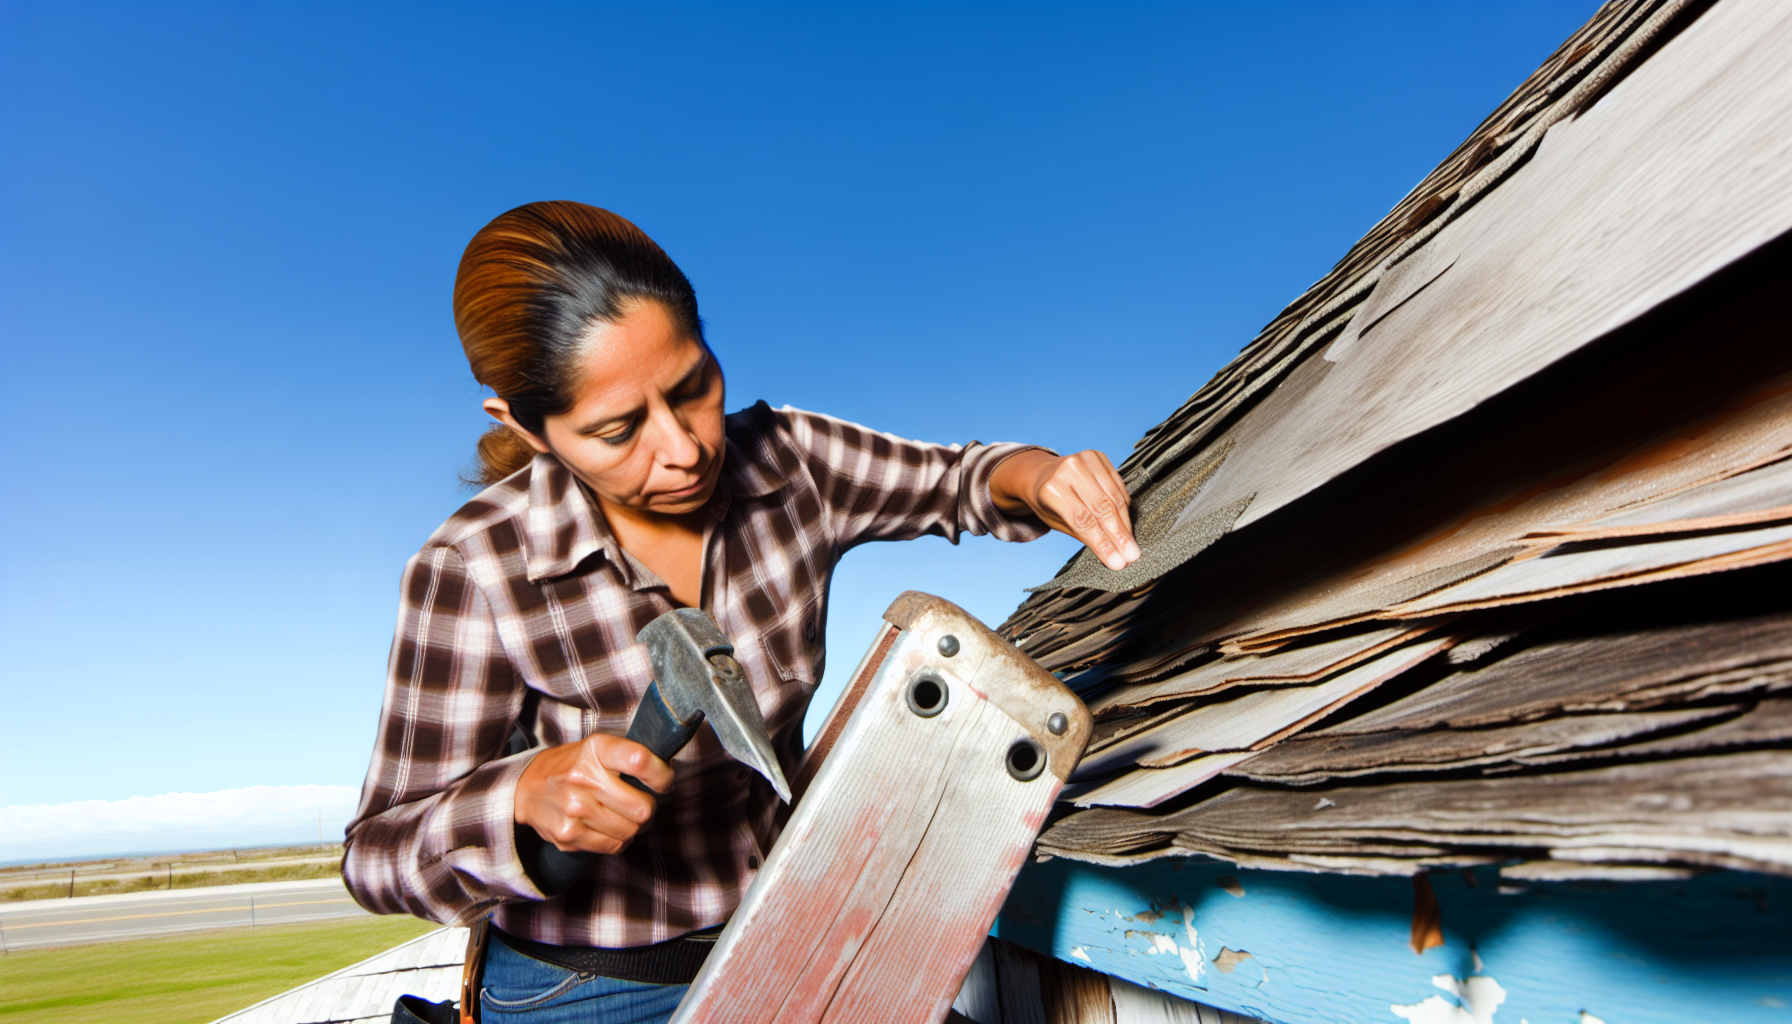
[{"x": 137, "y": 915}]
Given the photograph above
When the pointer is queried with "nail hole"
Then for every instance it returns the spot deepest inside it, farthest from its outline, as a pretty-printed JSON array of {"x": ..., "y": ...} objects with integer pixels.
[
  {"x": 927, "y": 694},
  {"x": 1025, "y": 760}
]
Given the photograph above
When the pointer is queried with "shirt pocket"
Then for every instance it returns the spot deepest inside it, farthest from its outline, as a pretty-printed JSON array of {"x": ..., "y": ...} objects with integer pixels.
[{"x": 796, "y": 644}]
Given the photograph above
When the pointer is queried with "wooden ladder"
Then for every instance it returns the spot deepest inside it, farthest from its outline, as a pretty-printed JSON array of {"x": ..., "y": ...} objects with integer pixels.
[{"x": 916, "y": 807}]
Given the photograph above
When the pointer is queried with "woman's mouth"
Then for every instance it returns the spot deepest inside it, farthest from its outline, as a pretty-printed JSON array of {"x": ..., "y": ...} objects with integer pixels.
[
  {"x": 684, "y": 494},
  {"x": 705, "y": 479}
]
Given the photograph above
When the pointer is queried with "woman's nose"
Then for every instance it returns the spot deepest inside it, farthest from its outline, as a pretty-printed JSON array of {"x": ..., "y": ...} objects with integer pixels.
[{"x": 678, "y": 448}]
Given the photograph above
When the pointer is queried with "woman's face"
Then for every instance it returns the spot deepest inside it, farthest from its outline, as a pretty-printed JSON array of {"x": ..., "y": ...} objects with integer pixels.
[{"x": 645, "y": 428}]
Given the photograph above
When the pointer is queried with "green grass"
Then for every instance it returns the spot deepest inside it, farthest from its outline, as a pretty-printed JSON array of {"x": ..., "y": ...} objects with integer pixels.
[
  {"x": 189, "y": 880},
  {"x": 187, "y": 979}
]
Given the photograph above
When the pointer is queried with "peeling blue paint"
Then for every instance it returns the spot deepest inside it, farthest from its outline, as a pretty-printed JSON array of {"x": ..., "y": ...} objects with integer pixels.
[{"x": 1334, "y": 950}]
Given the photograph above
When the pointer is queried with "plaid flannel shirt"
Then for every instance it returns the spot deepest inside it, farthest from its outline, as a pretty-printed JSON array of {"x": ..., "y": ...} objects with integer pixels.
[{"x": 521, "y": 610}]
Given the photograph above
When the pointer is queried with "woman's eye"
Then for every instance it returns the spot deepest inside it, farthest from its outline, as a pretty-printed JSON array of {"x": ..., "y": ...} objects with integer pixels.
[
  {"x": 695, "y": 391},
  {"x": 621, "y": 436}
]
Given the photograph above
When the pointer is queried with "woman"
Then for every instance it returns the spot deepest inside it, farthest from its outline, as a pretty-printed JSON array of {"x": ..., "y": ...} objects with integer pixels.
[{"x": 618, "y": 490}]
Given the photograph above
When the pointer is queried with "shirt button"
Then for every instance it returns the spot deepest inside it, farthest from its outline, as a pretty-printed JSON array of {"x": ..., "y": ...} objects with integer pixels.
[{"x": 753, "y": 862}]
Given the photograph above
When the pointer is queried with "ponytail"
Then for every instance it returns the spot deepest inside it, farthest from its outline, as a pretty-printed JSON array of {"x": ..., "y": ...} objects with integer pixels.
[{"x": 501, "y": 453}]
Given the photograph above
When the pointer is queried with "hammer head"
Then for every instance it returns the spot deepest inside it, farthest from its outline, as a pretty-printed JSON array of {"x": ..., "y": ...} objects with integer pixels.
[{"x": 694, "y": 667}]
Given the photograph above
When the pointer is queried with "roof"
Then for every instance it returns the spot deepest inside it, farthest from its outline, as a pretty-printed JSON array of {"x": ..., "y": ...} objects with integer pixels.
[
  {"x": 1477, "y": 554},
  {"x": 363, "y": 993}
]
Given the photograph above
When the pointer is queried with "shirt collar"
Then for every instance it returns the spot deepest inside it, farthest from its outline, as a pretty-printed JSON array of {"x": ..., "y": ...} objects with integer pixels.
[
  {"x": 757, "y": 464},
  {"x": 563, "y": 525}
]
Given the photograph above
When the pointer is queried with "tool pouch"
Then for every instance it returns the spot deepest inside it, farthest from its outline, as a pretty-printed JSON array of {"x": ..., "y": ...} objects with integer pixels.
[{"x": 417, "y": 1010}]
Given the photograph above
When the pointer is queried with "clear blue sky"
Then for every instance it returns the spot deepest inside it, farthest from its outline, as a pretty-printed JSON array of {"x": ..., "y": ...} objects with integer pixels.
[{"x": 234, "y": 398}]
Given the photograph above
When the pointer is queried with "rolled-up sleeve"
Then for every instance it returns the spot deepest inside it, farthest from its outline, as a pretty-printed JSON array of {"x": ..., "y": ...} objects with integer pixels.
[
  {"x": 434, "y": 835},
  {"x": 876, "y": 486}
]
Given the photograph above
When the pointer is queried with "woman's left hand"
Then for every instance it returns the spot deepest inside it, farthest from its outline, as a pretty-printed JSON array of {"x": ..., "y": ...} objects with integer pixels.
[{"x": 1078, "y": 494}]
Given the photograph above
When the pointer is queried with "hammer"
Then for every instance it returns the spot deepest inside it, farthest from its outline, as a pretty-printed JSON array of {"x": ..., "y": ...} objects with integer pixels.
[{"x": 695, "y": 678}]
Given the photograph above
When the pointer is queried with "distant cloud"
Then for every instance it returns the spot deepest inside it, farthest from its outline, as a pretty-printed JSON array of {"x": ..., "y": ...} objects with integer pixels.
[{"x": 252, "y": 816}]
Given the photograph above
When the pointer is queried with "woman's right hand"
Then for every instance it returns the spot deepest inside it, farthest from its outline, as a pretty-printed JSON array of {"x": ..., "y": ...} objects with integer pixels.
[{"x": 573, "y": 795}]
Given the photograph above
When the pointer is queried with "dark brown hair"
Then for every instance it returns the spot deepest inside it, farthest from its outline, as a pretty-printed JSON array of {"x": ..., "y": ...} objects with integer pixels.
[{"x": 530, "y": 285}]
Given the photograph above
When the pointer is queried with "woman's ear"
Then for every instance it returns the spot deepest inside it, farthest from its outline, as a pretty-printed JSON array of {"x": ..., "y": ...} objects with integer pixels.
[{"x": 499, "y": 410}]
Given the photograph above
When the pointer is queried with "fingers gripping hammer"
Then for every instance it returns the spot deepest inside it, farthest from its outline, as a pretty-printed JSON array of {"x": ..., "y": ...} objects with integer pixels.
[{"x": 695, "y": 678}]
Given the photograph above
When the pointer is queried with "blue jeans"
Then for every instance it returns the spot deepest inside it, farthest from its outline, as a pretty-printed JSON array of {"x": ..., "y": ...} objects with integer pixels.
[{"x": 522, "y": 990}]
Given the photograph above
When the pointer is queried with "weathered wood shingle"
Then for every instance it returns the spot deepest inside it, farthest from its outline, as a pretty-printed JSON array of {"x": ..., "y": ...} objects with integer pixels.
[{"x": 1478, "y": 553}]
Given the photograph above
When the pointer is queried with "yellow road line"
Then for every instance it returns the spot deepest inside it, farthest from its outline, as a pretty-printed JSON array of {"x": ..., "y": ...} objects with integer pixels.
[{"x": 173, "y": 913}]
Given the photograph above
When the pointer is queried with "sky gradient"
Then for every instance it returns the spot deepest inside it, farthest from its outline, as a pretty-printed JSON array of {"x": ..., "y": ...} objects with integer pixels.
[{"x": 228, "y": 232}]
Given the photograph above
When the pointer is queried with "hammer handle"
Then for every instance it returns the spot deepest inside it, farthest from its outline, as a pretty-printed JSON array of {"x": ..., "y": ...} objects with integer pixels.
[
  {"x": 655, "y": 727},
  {"x": 659, "y": 730}
]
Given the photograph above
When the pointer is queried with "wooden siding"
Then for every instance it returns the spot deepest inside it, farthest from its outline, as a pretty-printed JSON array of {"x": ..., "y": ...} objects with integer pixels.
[{"x": 1319, "y": 949}]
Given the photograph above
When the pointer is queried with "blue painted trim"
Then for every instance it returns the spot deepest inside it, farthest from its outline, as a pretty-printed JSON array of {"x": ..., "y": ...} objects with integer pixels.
[{"x": 1328, "y": 949}]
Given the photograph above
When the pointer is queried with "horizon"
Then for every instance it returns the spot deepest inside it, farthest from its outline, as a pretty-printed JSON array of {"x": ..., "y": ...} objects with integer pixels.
[{"x": 173, "y": 851}]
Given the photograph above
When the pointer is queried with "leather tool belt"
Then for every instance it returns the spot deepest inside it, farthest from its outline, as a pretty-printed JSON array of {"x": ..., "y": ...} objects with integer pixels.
[{"x": 673, "y": 962}]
